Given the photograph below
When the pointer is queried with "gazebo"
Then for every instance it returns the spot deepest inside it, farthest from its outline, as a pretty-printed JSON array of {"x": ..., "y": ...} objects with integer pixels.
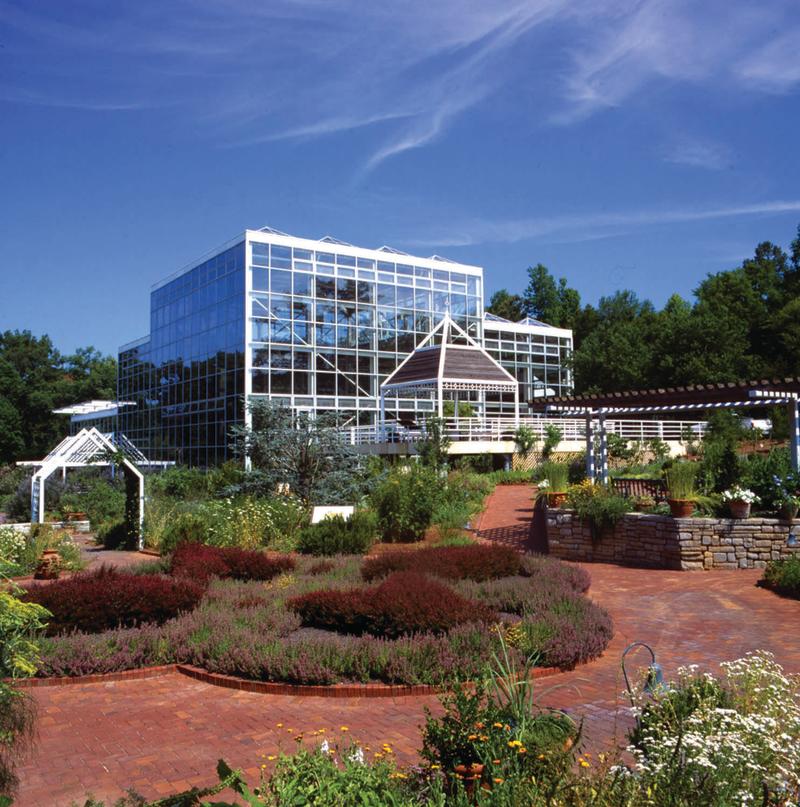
[
  {"x": 449, "y": 360},
  {"x": 698, "y": 397},
  {"x": 92, "y": 448}
]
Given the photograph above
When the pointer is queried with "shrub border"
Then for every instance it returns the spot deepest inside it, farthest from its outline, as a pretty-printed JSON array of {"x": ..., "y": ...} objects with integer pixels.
[{"x": 257, "y": 687}]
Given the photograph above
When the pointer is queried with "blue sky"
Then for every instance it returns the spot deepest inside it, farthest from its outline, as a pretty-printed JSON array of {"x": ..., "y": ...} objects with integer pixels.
[{"x": 624, "y": 144}]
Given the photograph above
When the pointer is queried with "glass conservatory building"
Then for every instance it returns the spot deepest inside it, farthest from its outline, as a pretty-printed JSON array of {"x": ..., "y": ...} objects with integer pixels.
[{"x": 315, "y": 324}]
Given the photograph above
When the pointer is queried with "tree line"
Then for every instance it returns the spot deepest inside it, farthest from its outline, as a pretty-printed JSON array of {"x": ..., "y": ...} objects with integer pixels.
[
  {"x": 35, "y": 378},
  {"x": 743, "y": 323}
]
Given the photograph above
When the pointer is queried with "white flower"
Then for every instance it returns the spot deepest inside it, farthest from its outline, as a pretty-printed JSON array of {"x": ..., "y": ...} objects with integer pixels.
[
  {"x": 325, "y": 747},
  {"x": 357, "y": 756}
]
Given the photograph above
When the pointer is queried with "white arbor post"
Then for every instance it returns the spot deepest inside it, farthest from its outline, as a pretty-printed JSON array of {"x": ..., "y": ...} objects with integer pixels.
[
  {"x": 601, "y": 423},
  {"x": 590, "y": 467},
  {"x": 794, "y": 434}
]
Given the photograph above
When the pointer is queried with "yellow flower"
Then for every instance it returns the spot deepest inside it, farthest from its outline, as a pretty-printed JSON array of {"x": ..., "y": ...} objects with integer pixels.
[
  {"x": 435, "y": 767},
  {"x": 343, "y": 728},
  {"x": 483, "y": 738},
  {"x": 522, "y": 751},
  {"x": 472, "y": 737},
  {"x": 498, "y": 781},
  {"x": 279, "y": 725},
  {"x": 497, "y": 725},
  {"x": 514, "y": 744},
  {"x": 263, "y": 766},
  {"x": 271, "y": 757},
  {"x": 584, "y": 763}
]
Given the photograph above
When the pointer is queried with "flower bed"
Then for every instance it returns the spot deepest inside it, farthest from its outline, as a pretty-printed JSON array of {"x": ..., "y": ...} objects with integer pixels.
[{"x": 249, "y": 629}]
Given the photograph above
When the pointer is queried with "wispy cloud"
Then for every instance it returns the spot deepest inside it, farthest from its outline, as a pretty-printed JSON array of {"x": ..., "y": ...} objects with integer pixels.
[
  {"x": 699, "y": 154},
  {"x": 246, "y": 72},
  {"x": 581, "y": 227}
]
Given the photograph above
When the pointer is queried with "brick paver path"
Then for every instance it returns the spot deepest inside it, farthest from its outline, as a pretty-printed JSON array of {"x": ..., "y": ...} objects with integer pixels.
[{"x": 163, "y": 734}]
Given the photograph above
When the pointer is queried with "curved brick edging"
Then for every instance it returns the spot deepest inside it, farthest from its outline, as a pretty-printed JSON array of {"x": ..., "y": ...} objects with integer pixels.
[
  {"x": 258, "y": 687},
  {"x": 324, "y": 690},
  {"x": 95, "y": 678}
]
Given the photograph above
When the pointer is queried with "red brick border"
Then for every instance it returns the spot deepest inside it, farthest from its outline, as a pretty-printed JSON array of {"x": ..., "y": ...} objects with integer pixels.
[
  {"x": 258, "y": 687},
  {"x": 97, "y": 678}
]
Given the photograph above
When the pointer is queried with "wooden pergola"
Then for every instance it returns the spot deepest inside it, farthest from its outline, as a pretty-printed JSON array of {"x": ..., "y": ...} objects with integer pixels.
[{"x": 699, "y": 397}]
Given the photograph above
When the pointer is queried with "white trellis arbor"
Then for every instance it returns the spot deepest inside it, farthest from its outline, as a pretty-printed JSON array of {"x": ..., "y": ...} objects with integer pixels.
[
  {"x": 449, "y": 360},
  {"x": 91, "y": 448}
]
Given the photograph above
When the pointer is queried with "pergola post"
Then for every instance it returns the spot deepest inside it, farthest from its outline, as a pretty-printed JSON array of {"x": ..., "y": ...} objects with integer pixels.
[
  {"x": 516, "y": 406},
  {"x": 794, "y": 434},
  {"x": 590, "y": 467},
  {"x": 601, "y": 423},
  {"x": 440, "y": 398}
]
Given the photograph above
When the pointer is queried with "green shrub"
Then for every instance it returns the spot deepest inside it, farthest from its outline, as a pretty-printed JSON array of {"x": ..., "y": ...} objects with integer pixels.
[
  {"x": 179, "y": 483},
  {"x": 103, "y": 501},
  {"x": 185, "y": 528},
  {"x": 783, "y": 576},
  {"x": 115, "y": 535},
  {"x": 405, "y": 502},
  {"x": 336, "y": 535},
  {"x": 597, "y": 504}
]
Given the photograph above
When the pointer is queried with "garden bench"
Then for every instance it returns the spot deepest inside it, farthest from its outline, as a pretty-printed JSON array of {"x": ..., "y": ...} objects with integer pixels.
[{"x": 632, "y": 488}]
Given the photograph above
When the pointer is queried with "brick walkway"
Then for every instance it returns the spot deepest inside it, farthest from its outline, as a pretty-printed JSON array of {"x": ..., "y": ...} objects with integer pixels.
[{"x": 163, "y": 734}]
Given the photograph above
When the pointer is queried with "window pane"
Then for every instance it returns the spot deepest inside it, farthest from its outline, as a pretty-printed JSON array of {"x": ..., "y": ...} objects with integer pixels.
[
  {"x": 302, "y": 284},
  {"x": 326, "y": 288},
  {"x": 281, "y": 282}
]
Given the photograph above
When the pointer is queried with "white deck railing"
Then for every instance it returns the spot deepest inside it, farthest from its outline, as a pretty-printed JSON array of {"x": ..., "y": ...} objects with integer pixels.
[{"x": 503, "y": 428}]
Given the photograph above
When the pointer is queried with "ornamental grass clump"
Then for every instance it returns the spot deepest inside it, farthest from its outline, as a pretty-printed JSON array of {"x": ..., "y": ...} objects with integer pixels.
[
  {"x": 106, "y": 598},
  {"x": 404, "y": 603},
  {"x": 474, "y": 562},
  {"x": 555, "y": 475},
  {"x": 680, "y": 479}
]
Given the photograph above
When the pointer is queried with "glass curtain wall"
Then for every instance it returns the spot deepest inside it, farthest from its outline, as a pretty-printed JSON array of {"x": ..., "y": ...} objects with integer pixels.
[
  {"x": 187, "y": 380},
  {"x": 538, "y": 359},
  {"x": 328, "y": 328}
]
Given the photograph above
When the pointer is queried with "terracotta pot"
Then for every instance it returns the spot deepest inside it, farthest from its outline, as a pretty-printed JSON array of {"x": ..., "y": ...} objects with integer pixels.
[
  {"x": 49, "y": 565},
  {"x": 681, "y": 508},
  {"x": 556, "y": 499},
  {"x": 788, "y": 512},
  {"x": 739, "y": 509},
  {"x": 470, "y": 775}
]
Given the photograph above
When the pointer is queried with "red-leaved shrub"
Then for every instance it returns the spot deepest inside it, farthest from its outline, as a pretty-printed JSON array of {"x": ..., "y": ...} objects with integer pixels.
[
  {"x": 404, "y": 603},
  {"x": 475, "y": 562},
  {"x": 99, "y": 600},
  {"x": 200, "y": 562}
]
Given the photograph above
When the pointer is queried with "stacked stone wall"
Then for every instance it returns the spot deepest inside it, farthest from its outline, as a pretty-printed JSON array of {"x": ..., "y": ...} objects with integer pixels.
[{"x": 663, "y": 542}]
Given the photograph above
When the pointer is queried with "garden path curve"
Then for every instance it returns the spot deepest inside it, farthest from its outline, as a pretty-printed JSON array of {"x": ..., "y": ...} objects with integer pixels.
[{"x": 163, "y": 734}]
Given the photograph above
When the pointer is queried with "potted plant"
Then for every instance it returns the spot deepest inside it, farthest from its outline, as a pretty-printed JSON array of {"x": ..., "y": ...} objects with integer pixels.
[
  {"x": 681, "y": 494},
  {"x": 739, "y": 500},
  {"x": 786, "y": 496},
  {"x": 555, "y": 482}
]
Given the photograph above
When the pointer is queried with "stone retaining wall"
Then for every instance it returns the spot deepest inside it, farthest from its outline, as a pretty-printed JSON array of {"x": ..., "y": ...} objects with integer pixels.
[{"x": 663, "y": 542}]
